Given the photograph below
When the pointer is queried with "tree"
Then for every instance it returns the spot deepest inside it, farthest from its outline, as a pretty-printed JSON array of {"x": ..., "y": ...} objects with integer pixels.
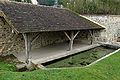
[
  {"x": 17, "y": 0},
  {"x": 93, "y": 6},
  {"x": 28, "y": 1},
  {"x": 46, "y": 2},
  {"x": 49, "y": 2}
]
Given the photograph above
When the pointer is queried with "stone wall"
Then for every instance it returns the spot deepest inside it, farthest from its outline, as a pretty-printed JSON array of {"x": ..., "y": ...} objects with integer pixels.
[
  {"x": 83, "y": 37},
  {"x": 9, "y": 42},
  {"x": 112, "y": 27},
  {"x": 47, "y": 38}
]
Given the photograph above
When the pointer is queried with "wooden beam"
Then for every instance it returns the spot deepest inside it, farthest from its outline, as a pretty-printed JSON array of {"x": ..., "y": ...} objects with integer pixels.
[
  {"x": 76, "y": 35},
  {"x": 67, "y": 35},
  {"x": 27, "y": 46},
  {"x": 34, "y": 39}
]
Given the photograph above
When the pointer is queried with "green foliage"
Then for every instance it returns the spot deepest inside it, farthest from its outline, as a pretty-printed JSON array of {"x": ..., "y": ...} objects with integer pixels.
[
  {"x": 28, "y": 1},
  {"x": 6, "y": 67},
  {"x": 49, "y": 2},
  {"x": 46, "y": 2},
  {"x": 18, "y": 0},
  {"x": 93, "y": 6}
]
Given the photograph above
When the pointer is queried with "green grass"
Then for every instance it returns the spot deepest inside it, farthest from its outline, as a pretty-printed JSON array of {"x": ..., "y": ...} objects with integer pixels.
[
  {"x": 6, "y": 67},
  {"x": 107, "y": 69}
]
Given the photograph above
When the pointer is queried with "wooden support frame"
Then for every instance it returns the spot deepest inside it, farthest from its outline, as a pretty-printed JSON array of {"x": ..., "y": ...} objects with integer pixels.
[
  {"x": 27, "y": 46},
  {"x": 34, "y": 39},
  {"x": 76, "y": 34},
  {"x": 67, "y": 35},
  {"x": 71, "y": 38}
]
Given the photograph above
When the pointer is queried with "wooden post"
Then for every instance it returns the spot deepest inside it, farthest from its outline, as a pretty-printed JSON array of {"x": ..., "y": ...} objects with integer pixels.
[
  {"x": 91, "y": 36},
  {"x": 27, "y": 46},
  {"x": 71, "y": 41},
  {"x": 71, "y": 38}
]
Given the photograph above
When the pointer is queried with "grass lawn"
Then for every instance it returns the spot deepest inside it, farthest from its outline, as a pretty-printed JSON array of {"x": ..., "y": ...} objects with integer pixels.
[{"x": 107, "y": 69}]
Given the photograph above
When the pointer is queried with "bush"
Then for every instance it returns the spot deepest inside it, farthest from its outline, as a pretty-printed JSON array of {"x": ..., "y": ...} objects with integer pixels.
[{"x": 93, "y": 6}]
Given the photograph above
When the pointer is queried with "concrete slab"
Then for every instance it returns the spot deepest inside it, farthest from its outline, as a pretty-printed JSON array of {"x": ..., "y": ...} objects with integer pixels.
[{"x": 52, "y": 52}]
